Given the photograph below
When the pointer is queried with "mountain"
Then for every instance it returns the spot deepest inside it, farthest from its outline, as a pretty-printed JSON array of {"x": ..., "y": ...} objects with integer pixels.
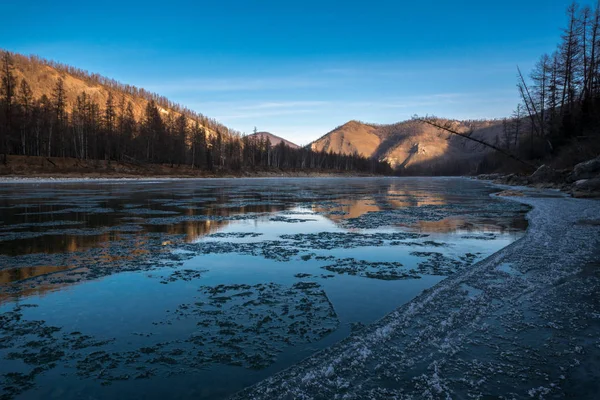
[
  {"x": 412, "y": 143},
  {"x": 42, "y": 76},
  {"x": 274, "y": 139},
  {"x": 51, "y": 111}
]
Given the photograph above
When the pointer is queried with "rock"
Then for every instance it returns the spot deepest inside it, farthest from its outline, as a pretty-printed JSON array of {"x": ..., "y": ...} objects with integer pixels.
[
  {"x": 585, "y": 170},
  {"x": 510, "y": 193},
  {"x": 587, "y": 188},
  {"x": 545, "y": 174},
  {"x": 514, "y": 180},
  {"x": 489, "y": 177}
]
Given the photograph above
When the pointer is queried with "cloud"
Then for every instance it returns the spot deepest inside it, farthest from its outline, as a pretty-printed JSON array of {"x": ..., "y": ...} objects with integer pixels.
[
  {"x": 262, "y": 114},
  {"x": 236, "y": 85},
  {"x": 283, "y": 104}
]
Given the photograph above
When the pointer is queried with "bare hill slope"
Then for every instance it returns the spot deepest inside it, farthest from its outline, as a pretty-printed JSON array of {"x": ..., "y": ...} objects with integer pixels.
[
  {"x": 274, "y": 139},
  {"x": 42, "y": 76},
  {"x": 410, "y": 143}
]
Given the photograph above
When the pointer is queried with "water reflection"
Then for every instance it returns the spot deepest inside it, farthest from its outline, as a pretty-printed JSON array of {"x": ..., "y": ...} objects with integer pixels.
[
  {"x": 138, "y": 274},
  {"x": 68, "y": 218},
  {"x": 109, "y": 225},
  {"x": 19, "y": 274}
]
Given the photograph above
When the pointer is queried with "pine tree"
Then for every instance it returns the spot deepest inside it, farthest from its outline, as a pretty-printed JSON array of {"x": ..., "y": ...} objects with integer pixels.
[
  {"x": 7, "y": 94},
  {"x": 25, "y": 100},
  {"x": 110, "y": 116},
  {"x": 60, "y": 112}
]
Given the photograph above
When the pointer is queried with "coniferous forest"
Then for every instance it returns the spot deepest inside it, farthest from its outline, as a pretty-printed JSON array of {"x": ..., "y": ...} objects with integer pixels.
[
  {"x": 49, "y": 127},
  {"x": 556, "y": 122}
]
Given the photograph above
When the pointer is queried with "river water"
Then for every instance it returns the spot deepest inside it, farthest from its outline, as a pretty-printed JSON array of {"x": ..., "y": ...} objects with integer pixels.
[{"x": 199, "y": 288}]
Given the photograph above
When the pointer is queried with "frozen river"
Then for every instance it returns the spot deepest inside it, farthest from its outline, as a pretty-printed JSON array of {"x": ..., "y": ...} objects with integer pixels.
[{"x": 200, "y": 288}]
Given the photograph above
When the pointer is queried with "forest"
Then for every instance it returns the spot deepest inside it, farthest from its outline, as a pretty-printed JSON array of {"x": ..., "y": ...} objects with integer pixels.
[
  {"x": 558, "y": 118},
  {"x": 48, "y": 127}
]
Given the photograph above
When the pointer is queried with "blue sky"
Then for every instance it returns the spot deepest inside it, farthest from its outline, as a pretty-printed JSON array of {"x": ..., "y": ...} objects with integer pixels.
[{"x": 299, "y": 69}]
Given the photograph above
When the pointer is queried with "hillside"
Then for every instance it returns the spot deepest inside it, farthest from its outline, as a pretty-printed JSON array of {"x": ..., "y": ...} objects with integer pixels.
[
  {"x": 274, "y": 139},
  {"x": 42, "y": 76},
  {"x": 52, "y": 110},
  {"x": 411, "y": 143}
]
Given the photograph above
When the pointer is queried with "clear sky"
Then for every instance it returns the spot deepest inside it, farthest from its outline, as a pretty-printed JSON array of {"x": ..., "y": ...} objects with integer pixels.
[{"x": 300, "y": 68}]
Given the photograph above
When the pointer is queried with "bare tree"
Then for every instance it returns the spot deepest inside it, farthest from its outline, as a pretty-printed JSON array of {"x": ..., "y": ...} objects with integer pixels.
[
  {"x": 7, "y": 93},
  {"x": 469, "y": 136}
]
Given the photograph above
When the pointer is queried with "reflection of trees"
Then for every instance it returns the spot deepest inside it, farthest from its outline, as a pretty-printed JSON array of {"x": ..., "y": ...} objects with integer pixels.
[
  {"x": 128, "y": 237},
  {"x": 110, "y": 249},
  {"x": 8, "y": 276},
  {"x": 18, "y": 274},
  {"x": 191, "y": 229},
  {"x": 457, "y": 224}
]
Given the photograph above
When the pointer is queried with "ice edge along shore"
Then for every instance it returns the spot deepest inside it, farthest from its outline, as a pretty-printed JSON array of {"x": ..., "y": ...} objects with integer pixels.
[{"x": 522, "y": 323}]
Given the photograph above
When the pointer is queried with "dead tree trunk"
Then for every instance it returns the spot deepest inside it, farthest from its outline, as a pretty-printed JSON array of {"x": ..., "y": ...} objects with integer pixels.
[{"x": 433, "y": 123}]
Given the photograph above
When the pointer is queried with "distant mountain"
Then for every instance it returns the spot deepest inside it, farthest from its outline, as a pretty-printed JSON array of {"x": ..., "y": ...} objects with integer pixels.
[
  {"x": 274, "y": 139},
  {"x": 411, "y": 143}
]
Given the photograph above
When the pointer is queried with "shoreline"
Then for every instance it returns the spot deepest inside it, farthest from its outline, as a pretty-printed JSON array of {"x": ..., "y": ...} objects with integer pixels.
[
  {"x": 55, "y": 168},
  {"x": 489, "y": 330},
  {"x": 118, "y": 179}
]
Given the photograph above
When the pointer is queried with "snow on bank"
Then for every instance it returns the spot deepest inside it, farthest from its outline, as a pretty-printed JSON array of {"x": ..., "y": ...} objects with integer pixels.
[{"x": 523, "y": 323}]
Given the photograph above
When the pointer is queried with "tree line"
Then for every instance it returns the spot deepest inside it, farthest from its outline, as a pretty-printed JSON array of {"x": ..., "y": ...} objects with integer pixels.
[
  {"x": 46, "y": 127},
  {"x": 557, "y": 120},
  {"x": 561, "y": 100}
]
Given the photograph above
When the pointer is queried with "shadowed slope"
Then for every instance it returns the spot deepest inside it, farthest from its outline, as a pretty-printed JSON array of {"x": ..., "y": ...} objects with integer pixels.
[{"x": 410, "y": 143}]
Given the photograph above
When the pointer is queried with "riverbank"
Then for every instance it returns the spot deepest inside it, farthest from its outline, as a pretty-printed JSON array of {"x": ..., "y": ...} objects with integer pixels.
[
  {"x": 582, "y": 181},
  {"x": 30, "y": 167},
  {"x": 522, "y": 323}
]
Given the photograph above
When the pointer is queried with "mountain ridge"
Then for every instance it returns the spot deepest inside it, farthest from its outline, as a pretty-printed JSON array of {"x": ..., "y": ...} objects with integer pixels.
[
  {"x": 411, "y": 143},
  {"x": 274, "y": 139},
  {"x": 42, "y": 76}
]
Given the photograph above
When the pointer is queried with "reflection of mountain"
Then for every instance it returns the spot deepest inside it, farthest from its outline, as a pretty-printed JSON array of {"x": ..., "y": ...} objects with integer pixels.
[
  {"x": 396, "y": 198},
  {"x": 350, "y": 208},
  {"x": 399, "y": 198},
  {"x": 129, "y": 231}
]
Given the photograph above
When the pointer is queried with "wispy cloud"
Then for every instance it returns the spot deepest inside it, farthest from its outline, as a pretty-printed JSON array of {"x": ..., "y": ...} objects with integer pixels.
[
  {"x": 283, "y": 104},
  {"x": 262, "y": 114},
  {"x": 236, "y": 84},
  {"x": 407, "y": 101}
]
